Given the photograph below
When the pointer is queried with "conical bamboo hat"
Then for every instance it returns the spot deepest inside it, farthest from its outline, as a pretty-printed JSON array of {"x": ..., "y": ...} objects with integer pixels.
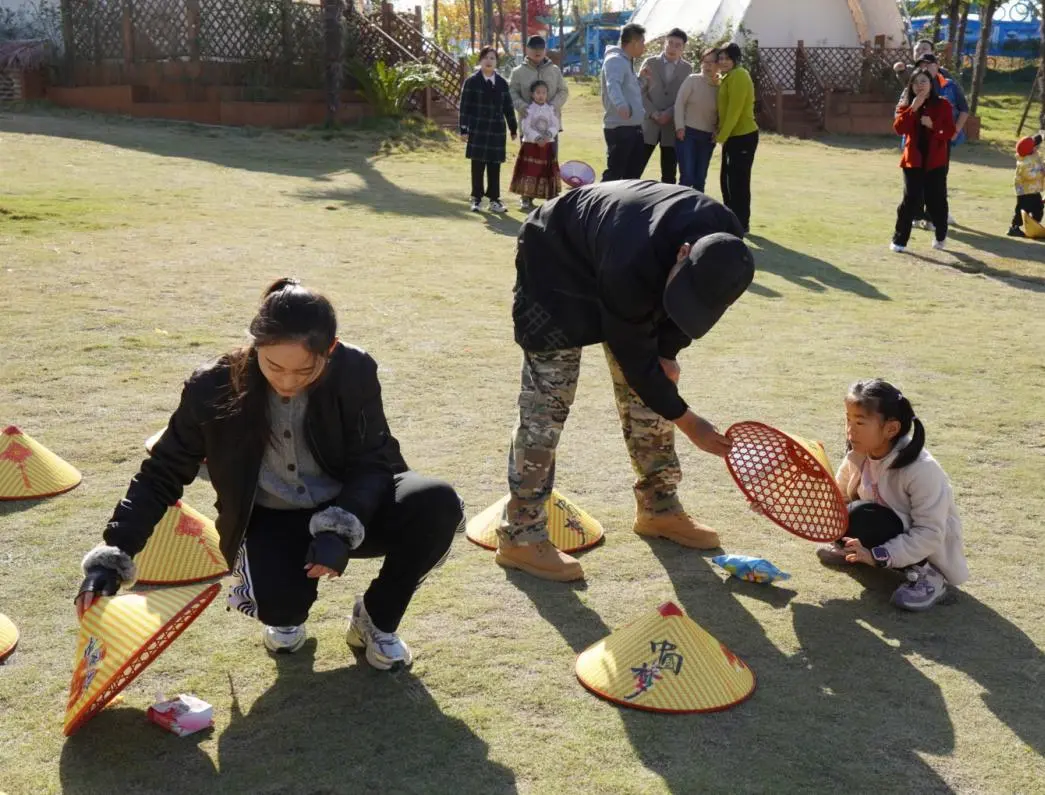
[
  {"x": 29, "y": 470},
  {"x": 120, "y": 636},
  {"x": 8, "y": 637},
  {"x": 1032, "y": 228},
  {"x": 665, "y": 662},
  {"x": 570, "y": 528},
  {"x": 790, "y": 479},
  {"x": 182, "y": 549}
]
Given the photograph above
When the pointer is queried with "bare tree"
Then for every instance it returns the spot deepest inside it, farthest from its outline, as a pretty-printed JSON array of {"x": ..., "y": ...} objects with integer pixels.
[
  {"x": 979, "y": 67},
  {"x": 963, "y": 26},
  {"x": 524, "y": 14},
  {"x": 953, "y": 11}
]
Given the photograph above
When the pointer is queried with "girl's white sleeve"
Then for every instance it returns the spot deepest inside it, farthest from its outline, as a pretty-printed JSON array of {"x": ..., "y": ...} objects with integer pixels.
[
  {"x": 845, "y": 474},
  {"x": 930, "y": 497}
]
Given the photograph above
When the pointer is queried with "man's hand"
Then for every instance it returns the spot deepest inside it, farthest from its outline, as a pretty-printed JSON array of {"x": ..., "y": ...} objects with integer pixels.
[
  {"x": 680, "y": 135},
  {"x": 703, "y": 434},
  {"x": 666, "y": 117},
  {"x": 624, "y": 112},
  {"x": 314, "y": 571},
  {"x": 855, "y": 552},
  {"x": 671, "y": 369}
]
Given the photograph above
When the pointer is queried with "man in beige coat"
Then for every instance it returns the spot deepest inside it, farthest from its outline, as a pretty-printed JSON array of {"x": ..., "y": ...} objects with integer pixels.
[
  {"x": 661, "y": 77},
  {"x": 537, "y": 66}
]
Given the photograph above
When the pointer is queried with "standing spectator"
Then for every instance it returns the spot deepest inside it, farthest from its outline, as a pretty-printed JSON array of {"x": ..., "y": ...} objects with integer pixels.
[
  {"x": 622, "y": 101},
  {"x": 952, "y": 92},
  {"x": 538, "y": 67},
  {"x": 661, "y": 79},
  {"x": 696, "y": 119},
  {"x": 925, "y": 120},
  {"x": 536, "y": 174},
  {"x": 737, "y": 132},
  {"x": 486, "y": 106}
]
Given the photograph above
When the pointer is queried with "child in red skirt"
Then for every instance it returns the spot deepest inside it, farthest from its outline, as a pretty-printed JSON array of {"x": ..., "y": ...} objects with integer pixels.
[{"x": 536, "y": 174}]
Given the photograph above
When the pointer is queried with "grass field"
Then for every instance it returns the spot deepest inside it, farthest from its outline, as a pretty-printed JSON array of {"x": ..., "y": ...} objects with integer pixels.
[{"x": 131, "y": 252}]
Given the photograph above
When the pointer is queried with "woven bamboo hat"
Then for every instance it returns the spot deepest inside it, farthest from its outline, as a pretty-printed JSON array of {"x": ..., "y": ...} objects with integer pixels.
[
  {"x": 29, "y": 470},
  {"x": 570, "y": 529}
]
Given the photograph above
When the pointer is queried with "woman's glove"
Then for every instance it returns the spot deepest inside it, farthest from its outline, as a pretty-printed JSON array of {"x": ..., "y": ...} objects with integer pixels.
[
  {"x": 105, "y": 569},
  {"x": 335, "y": 533}
]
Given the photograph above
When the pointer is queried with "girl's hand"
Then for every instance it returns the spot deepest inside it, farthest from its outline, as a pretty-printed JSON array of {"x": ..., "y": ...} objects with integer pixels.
[
  {"x": 919, "y": 100},
  {"x": 680, "y": 135},
  {"x": 855, "y": 552},
  {"x": 927, "y": 122},
  {"x": 315, "y": 571}
]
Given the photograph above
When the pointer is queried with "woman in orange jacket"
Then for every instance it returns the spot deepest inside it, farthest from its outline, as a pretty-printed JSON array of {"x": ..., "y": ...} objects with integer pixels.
[{"x": 926, "y": 120}]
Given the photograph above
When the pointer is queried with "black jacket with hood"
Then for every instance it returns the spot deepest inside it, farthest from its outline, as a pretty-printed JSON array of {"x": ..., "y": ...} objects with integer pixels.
[{"x": 592, "y": 266}]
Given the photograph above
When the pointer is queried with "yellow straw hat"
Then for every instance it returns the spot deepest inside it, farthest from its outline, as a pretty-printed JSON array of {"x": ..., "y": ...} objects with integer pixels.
[
  {"x": 790, "y": 479},
  {"x": 665, "y": 662},
  {"x": 29, "y": 470},
  {"x": 119, "y": 636},
  {"x": 182, "y": 549},
  {"x": 570, "y": 529},
  {"x": 8, "y": 637}
]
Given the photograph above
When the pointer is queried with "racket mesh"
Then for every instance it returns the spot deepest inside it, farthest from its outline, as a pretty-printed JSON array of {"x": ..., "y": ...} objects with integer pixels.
[{"x": 786, "y": 480}]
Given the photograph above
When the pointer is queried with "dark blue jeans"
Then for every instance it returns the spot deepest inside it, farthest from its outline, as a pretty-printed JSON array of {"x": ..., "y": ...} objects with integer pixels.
[{"x": 694, "y": 154}]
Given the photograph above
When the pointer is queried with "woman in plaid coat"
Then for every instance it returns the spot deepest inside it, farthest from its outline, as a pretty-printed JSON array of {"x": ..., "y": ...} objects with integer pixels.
[{"x": 486, "y": 106}]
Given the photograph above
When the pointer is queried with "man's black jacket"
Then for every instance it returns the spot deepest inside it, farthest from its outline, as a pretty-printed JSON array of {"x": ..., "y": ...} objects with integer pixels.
[
  {"x": 346, "y": 431},
  {"x": 592, "y": 266}
]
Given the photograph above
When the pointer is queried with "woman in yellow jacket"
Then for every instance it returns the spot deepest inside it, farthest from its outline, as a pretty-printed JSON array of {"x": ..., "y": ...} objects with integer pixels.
[{"x": 737, "y": 132}]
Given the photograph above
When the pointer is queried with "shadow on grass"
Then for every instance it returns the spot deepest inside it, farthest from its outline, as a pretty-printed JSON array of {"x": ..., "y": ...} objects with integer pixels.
[
  {"x": 844, "y": 711},
  {"x": 346, "y": 730},
  {"x": 806, "y": 271},
  {"x": 309, "y": 154},
  {"x": 1004, "y": 247}
]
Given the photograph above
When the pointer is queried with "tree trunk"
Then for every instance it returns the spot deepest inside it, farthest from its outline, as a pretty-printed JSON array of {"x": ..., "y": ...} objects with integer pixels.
[
  {"x": 963, "y": 25},
  {"x": 488, "y": 23},
  {"x": 1041, "y": 66},
  {"x": 953, "y": 11},
  {"x": 523, "y": 24},
  {"x": 500, "y": 27},
  {"x": 979, "y": 69},
  {"x": 471, "y": 24},
  {"x": 333, "y": 39},
  {"x": 937, "y": 19},
  {"x": 562, "y": 52},
  {"x": 435, "y": 20}
]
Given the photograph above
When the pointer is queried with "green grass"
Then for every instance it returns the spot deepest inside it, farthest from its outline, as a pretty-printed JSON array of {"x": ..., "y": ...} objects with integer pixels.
[{"x": 102, "y": 323}]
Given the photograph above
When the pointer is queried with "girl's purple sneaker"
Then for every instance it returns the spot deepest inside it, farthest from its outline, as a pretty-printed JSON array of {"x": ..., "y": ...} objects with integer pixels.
[{"x": 925, "y": 587}]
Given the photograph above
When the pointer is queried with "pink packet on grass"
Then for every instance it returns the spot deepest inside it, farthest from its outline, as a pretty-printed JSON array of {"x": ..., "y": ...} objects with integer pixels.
[{"x": 183, "y": 715}]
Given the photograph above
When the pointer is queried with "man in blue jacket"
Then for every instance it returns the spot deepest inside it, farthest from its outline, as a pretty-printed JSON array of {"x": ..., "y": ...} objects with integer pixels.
[
  {"x": 644, "y": 268},
  {"x": 622, "y": 101}
]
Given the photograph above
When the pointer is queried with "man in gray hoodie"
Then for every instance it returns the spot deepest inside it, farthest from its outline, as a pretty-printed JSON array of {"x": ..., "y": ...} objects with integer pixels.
[{"x": 622, "y": 101}]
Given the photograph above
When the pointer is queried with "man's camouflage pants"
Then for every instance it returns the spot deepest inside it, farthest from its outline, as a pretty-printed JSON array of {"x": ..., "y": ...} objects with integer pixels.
[{"x": 549, "y": 384}]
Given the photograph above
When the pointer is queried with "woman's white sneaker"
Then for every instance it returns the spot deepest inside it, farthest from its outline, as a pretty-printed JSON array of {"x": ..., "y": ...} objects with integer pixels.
[
  {"x": 283, "y": 640},
  {"x": 384, "y": 650},
  {"x": 896, "y": 248},
  {"x": 939, "y": 245}
]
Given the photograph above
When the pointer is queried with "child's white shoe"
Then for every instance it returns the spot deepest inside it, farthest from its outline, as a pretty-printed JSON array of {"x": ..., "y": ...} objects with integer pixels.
[
  {"x": 939, "y": 245},
  {"x": 497, "y": 207},
  {"x": 475, "y": 204},
  {"x": 897, "y": 248}
]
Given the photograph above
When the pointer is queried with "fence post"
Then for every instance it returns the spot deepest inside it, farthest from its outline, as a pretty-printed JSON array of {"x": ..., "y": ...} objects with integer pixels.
[
  {"x": 68, "y": 38},
  {"x": 779, "y": 110},
  {"x": 192, "y": 19},
  {"x": 334, "y": 46},
  {"x": 128, "y": 33},
  {"x": 287, "y": 34},
  {"x": 386, "y": 17},
  {"x": 420, "y": 19}
]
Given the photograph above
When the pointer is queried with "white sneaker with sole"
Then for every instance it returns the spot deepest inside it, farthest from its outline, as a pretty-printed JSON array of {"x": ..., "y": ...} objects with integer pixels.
[
  {"x": 896, "y": 248},
  {"x": 951, "y": 221},
  {"x": 497, "y": 207},
  {"x": 939, "y": 245},
  {"x": 283, "y": 640},
  {"x": 384, "y": 650},
  {"x": 474, "y": 205}
]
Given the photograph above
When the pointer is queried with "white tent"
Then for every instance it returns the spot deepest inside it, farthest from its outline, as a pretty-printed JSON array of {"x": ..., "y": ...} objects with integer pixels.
[{"x": 778, "y": 23}]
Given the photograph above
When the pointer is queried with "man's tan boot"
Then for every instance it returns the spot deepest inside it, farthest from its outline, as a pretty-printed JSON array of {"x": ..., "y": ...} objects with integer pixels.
[
  {"x": 678, "y": 527},
  {"x": 541, "y": 560}
]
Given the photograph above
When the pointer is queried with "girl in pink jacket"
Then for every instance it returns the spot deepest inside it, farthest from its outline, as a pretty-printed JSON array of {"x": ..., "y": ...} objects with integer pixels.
[{"x": 901, "y": 509}]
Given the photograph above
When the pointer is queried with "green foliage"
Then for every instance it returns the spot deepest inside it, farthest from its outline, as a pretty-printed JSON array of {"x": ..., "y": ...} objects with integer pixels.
[{"x": 388, "y": 88}]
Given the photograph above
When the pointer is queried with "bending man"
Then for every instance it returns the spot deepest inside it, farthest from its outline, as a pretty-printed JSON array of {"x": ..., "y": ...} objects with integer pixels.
[{"x": 643, "y": 268}]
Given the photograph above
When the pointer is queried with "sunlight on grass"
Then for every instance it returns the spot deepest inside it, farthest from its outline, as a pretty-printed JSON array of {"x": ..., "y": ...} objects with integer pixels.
[{"x": 140, "y": 253}]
